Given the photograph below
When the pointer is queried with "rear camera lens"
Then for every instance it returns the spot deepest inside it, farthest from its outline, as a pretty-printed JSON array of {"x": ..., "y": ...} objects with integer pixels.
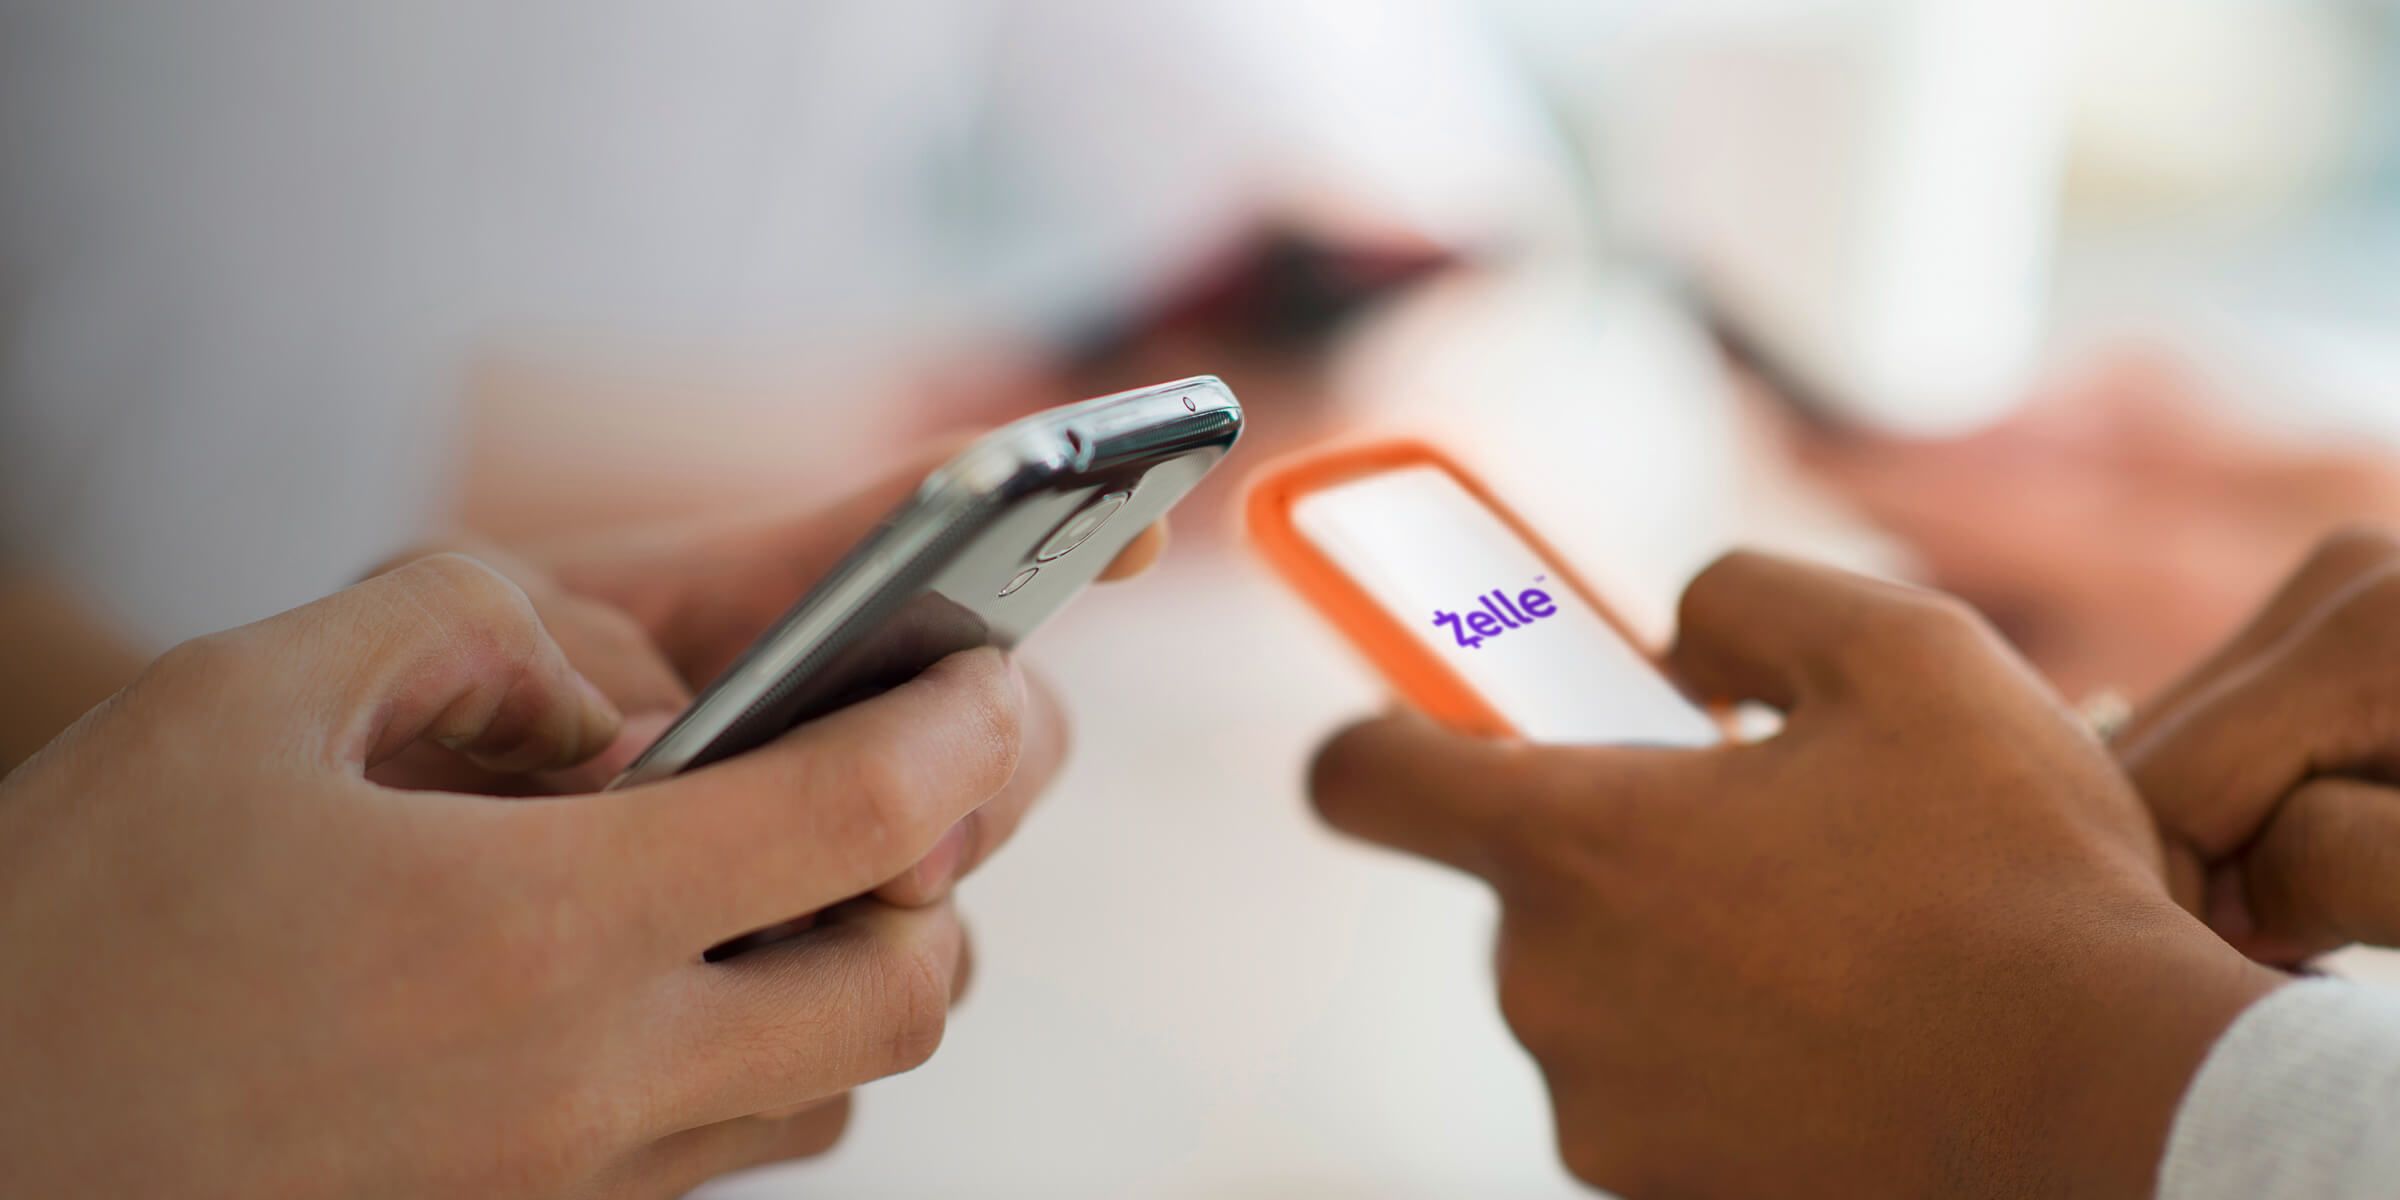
[{"x": 1078, "y": 529}]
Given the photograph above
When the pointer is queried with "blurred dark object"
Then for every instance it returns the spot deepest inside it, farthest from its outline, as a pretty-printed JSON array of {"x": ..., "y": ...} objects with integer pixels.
[
  {"x": 1283, "y": 292},
  {"x": 1780, "y": 382},
  {"x": 1268, "y": 317}
]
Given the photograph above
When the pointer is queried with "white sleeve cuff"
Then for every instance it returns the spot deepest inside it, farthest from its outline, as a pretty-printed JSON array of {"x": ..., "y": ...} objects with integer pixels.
[{"x": 2299, "y": 1099}]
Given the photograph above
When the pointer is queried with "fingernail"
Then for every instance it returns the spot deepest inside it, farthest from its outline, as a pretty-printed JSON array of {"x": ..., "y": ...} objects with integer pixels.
[
  {"x": 634, "y": 736},
  {"x": 599, "y": 723}
]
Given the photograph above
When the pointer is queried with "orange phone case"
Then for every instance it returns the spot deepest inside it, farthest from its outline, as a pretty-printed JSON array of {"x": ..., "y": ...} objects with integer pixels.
[{"x": 1419, "y": 674}]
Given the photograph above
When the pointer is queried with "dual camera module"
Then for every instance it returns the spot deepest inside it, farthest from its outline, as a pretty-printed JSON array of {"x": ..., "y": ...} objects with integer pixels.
[{"x": 1071, "y": 533}]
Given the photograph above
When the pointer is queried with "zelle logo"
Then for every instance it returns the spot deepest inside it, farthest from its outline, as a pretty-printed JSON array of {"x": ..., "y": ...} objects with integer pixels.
[{"x": 1499, "y": 614}]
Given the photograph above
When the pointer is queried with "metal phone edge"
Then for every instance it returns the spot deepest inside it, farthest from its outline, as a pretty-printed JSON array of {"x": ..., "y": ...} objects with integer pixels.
[{"x": 986, "y": 472}]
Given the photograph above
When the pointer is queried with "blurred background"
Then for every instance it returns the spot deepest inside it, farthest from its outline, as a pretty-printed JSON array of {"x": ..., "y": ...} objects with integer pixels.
[{"x": 2082, "y": 308}]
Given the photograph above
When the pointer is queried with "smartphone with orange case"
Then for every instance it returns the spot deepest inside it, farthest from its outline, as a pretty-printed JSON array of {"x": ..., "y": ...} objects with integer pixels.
[{"x": 1462, "y": 607}]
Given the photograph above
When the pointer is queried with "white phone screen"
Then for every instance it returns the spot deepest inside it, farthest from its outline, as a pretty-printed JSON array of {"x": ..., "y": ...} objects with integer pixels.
[{"x": 1449, "y": 569}]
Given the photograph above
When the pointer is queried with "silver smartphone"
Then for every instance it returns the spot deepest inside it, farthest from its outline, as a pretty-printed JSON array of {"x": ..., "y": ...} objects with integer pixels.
[{"x": 992, "y": 544}]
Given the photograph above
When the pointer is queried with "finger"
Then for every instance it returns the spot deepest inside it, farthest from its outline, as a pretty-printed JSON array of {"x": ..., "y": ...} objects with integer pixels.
[
  {"x": 2214, "y": 767},
  {"x": 490, "y": 554},
  {"x": 444, "y": 649},
  {"x": 730, "y": 581},
  {"x": 964, "y": 980},
  {"x": 2326, "y": 870},
  {"x": 863, "y": 996},
  {"x": 705, "y": 592},
  {"x": 635, "y": 735},
  {"x": 981, "y": 833},
  {"x": 603, "y": 642},
  {"x": 829, "y": 811},
  {"x": 430, "y": 768},
  {"x": 1138, "y": 555},
  {"x": 613, "y": 651},
  {"x": 1778, "y": 631},
  {"x": 2334, "y": 566},
  {"x": 1485, "y": 807},
  {"x": 677, "y": 1164}
]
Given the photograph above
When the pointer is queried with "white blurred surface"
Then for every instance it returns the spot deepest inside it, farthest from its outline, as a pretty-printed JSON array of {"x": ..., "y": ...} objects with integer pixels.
[
  {"x": 1870, "y": 185},
  {"x": 257, "y": 251}
]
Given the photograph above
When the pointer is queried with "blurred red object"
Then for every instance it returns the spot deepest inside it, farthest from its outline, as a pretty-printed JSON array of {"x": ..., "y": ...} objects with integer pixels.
[{"x": 2117, "y": 527}]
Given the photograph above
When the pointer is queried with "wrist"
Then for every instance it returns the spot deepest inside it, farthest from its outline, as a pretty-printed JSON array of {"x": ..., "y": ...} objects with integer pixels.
[{"x": 2144, "y": 1011}]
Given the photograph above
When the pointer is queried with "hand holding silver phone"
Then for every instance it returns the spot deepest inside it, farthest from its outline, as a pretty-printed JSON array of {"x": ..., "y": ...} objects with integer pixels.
[{"x": 991, "y": 546}]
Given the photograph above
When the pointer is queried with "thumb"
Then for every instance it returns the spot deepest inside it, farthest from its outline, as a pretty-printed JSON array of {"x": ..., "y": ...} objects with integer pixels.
[
  {"x": 444, "y": 650},
  {"x": 1486, "y": 807}
]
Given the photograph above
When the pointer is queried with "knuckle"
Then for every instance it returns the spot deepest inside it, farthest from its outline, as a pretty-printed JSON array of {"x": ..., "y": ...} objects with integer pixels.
[
  {"x": 2370, "y": 610},
  {"x": 1584, "y": 1158},
  {"x": 1597, "y": 1160},
  {"x": 1919, "y": 625},
  {"x": 537, "y": 951},
  {"x": 1535, "y": 1012},
  {"x": 413, "y": 553},
  {"x": 995, "y": 719},
  {"x": 455, "y": 582},
  {"x": 895, "y": 814},
  {"x": 906, "y": 801},
  {"x": 1731, "y": 573},
  {"x": 917, "y": 979},
  {"x": 2346, "y": 651},
  {"x": 507, "y": 911},
  {"x": 479, "y": 609},
  {"x": 562, "y": 1152},
  {"x": 203, "y": 663},
  {"x": 1938, "y": 618},
  {"x": 227, "y": 672},
  {"x": 1733, "y": 566},
  {"x": 2353, "y": 546},
  {"x": 1527, "y": 1012}
]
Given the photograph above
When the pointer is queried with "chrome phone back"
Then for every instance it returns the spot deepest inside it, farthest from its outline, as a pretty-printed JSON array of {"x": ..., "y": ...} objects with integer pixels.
[{"x": 992, "y": 544}]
